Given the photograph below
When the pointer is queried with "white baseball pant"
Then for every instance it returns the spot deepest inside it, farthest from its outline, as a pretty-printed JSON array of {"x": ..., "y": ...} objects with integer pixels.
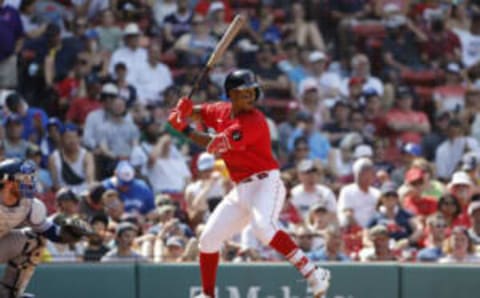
[{"x": 257, "y": 202}]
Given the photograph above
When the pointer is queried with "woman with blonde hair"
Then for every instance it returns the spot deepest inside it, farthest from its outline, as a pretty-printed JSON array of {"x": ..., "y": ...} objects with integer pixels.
[{"x": 459, "y": 248}]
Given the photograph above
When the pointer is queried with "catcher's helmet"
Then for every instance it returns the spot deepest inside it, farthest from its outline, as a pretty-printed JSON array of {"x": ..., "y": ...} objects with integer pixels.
[
  {"x": 22, "y": 171},
  {"x": 242, "y": 79}
]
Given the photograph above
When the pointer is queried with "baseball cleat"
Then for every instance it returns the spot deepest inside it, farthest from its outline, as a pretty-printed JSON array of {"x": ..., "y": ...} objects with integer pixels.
[{"x": 319, "y": 281}]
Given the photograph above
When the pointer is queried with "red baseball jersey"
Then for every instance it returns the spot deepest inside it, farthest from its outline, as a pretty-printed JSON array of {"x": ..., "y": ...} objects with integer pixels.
[{"x": 249, "y": 136}]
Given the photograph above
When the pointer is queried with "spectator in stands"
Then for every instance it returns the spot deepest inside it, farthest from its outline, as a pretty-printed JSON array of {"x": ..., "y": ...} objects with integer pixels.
[
  {"x": 435, "y": 229},
  {"x": 333, "y": 249},
  {"x": 459, "y": 248},
  {"x": 13, "y": 143},
  {"x": 158, "y": 159},
  {"x": 44, "y": 179},
  {"x": 275, "y": 84},
  {"x": 80, "y": 107},
  {"x": 432, "y": 188},
  {"x": 468, "y": 40},
  {"x": 340, "y": 160},
  {"x": 71, "y": 165},
  {"x": 124, "y": 239},
  {"x": 91, "y": 201},
  {"x": 442, "y": 45},
  {"x": 432, "y": 140},
  {"x": 470, "y": 115},
  {"x": 203, "y": 195},
  {"x": 131, "y": 53},
  {"x": 360, "y": 68},
  {"x": 109, "y": 35},
  {"x": 459, "y": 18},
  {"x": 12, "y": 33},
  {"x": 471, "y": 166},
  {"x": 67, "y": 202},
  {"x": 135, "y": 194},
  {"x": 461, "y": 188},
  {"x": 339, "y": 126},
  {"x": 405, "y": 124},
  {"x": 380, "y": 251},
  {"x": 357, "y": 201},
  {"x": 304, "y": 32},
  {"x": 96, "y": 247},
  {"x": 449, "y": 154},
  {"x": 177, "y": 23},
  {"x": 216, "y": 16},
  {"x": 300, "y": 152},
  {"x": 292, "y": 64},
  {"x": 113, "y": 205},
  {"x": 304, "y": 238},
  {"x": 329, "y": 83},
  {"x": 33, "y": 28},
  {"x": 309, "y": 192},
  {"x": 451, "y": 211},
  {"x": 311, "y": 102},
  {"x": 474, "y": 231},
  {"x": 318, "y": 143},
  {"x": 414, "y": 202},
  {"x": 197, "y": 44},
  {"x": 450, "y": 96},
  {"x": 174, "y": 249},
  {"x": 374, "y": 114},
  {"x": 202, "y": 7},
  {"x": 153, "y": 76},
  {"x": 401, "y": 225},
  {"x": 263, "y": 27},
  {"x": 52, "y": 139},
  {"x": 34, "y": 119}
]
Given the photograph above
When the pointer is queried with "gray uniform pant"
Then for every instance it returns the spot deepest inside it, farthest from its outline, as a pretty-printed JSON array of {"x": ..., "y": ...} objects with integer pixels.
[{"x": 21, "y": 251}]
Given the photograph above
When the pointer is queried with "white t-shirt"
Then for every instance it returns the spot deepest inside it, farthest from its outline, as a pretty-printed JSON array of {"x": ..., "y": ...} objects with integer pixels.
[
  {"x": 167, "y": 174},
  {"x": 150, "y": 81},
  {"x": 470, "y": 46},
  {"x": 362, "y": 203},
  {"x": 132, "y": 59},
  {"x": 303, "y": 200}
]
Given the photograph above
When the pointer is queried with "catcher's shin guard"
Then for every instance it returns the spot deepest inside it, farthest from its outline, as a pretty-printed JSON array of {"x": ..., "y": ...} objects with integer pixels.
[{"x": 20, "y": 269}]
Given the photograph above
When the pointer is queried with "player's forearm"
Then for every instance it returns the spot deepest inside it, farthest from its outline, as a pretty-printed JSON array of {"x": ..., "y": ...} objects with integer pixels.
[{"x": 199, "y": 138}]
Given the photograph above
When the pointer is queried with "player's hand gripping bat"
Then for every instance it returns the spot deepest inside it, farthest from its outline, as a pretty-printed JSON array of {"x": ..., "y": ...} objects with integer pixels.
[{"x": 220, "y": 49}]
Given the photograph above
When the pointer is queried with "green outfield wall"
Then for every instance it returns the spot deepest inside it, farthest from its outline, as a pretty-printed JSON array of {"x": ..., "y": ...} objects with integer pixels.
[{"x": 253, "y": 281}]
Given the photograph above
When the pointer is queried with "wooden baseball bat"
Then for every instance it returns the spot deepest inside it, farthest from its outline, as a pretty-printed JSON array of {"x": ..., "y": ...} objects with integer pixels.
[{"x": 220, "y": 49}]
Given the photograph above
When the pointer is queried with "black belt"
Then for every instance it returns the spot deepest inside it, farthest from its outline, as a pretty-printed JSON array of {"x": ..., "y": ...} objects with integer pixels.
[{"x": 258, "y": 176}]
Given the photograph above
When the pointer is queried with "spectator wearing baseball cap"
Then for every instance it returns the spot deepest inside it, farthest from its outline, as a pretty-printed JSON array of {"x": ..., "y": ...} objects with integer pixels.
[
  {"x": 204, "y": 194},
  {"x": 461, "y": 188},
  {"x": 13, "y": 143},
  {"x": 124, "y": 238},
  {"x": 96, "y": 247},
  {"x": 401, "y": 224},
  {"x": 380, "y": 250},
  {"x": 134, "y": 193},
  {"x": 414, "y": 201},
  {"x": 67, "y": 202},
  {"x": 309, "y": 192}
]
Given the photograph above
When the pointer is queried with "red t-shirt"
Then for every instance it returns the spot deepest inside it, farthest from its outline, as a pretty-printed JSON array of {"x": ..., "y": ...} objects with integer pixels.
[
  {"x": 250, "y": 138},
  {"x": 421, "y": 206},
  {"x": 80, "y": 108}
]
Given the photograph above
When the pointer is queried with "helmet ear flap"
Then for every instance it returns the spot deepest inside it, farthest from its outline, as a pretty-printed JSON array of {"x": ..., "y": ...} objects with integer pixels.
[{"x": 258, "y": 93}]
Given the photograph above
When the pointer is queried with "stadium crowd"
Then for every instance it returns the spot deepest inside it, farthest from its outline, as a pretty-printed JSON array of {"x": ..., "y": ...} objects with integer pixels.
[{"x": 373, "y": 108}]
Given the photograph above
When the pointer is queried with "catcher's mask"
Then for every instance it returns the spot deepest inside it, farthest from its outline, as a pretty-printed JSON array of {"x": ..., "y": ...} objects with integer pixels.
[
  {"x": 242, "y": 79},
  {"x": 17, "y": 180}
]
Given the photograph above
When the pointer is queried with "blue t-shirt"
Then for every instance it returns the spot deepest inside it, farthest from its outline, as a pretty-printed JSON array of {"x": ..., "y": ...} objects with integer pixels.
[
  {"x": 138, "y": 196},
  {"x": 431, "y": 254},
  {"x": 321, "y": 255},
  {"x": 29, "y": 119},
  {"x": 399, "y": 228}
]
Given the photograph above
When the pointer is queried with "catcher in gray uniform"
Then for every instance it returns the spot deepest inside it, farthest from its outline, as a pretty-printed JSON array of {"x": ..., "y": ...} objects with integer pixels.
[{"x": 24, "y": 227}]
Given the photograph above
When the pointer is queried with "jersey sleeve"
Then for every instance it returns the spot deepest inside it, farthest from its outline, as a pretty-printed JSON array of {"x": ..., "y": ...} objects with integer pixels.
[{"x": 208, "y": 112}]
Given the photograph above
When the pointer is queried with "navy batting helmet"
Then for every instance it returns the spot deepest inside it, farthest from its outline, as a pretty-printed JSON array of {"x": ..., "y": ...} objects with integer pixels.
[{"x": 242, "y": 79}]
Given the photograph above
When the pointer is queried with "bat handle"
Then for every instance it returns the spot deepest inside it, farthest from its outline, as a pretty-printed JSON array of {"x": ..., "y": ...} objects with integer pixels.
[{"x": 198, "y": 80}]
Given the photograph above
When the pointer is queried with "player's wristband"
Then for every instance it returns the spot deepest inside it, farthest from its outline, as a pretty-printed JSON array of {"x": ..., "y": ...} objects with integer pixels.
[{"x": 188, "y": 130}]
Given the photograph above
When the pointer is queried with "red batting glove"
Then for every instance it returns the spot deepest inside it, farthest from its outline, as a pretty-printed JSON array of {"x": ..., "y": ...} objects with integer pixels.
[
  {"x": 176, "y": 121},
  {"x": 219, "y": 144},
  {"x": 185, "y": 107}
]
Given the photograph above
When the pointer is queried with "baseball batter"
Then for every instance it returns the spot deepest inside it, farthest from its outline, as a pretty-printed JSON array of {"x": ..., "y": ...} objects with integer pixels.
[
  {"x": 24, "y": 227},
  {"x": 242, "y": 139}
]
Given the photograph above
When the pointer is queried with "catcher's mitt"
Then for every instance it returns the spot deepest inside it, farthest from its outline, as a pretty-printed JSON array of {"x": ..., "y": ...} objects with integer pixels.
[{"x": 74, "y": 229}]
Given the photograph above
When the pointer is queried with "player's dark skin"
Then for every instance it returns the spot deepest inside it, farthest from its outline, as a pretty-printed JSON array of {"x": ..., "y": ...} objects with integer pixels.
[{"x": 243, "y": 100}]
